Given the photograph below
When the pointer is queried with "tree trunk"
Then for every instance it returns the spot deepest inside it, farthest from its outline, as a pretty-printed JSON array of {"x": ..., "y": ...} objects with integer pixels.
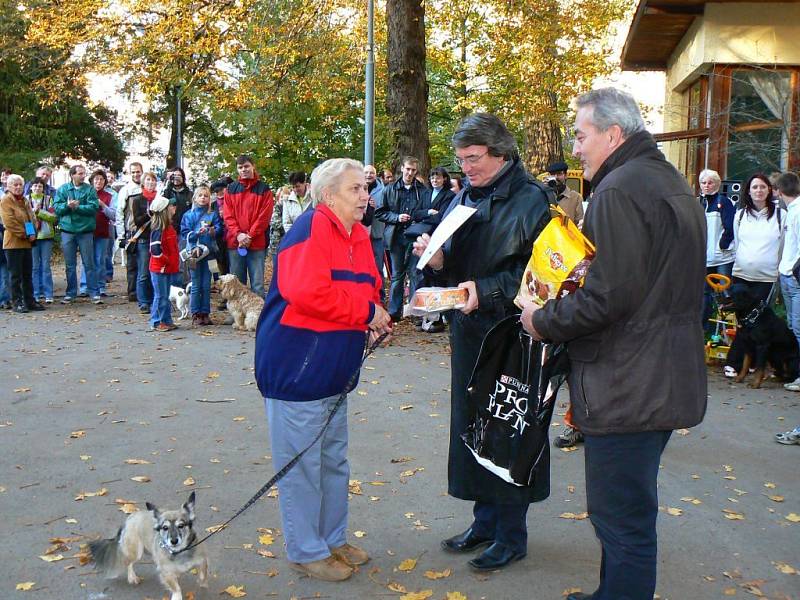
[
  {"x": 407, "y": 94},
  {"x": 542, "y": 144},
  {"x": 172, "y": 108}
]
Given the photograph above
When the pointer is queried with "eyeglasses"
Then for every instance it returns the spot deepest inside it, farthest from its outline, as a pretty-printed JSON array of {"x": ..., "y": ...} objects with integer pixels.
[{"x": 472, "y": 159}]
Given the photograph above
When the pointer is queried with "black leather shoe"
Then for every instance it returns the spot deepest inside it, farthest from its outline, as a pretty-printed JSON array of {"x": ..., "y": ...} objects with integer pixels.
[
  {"x": 20, "y": 308},
  {"x": 579, "y": 596},
  {"x": 465, "y": 542},
  {"x": 35, "y": 306},
  {"x": 496, "y": 557}
]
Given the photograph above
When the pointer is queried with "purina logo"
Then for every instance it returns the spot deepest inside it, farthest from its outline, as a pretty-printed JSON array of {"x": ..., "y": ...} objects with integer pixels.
[{"x": 556, "y": 260}]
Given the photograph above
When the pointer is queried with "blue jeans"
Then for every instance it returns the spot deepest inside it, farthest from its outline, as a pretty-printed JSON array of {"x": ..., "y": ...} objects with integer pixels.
[
  {"x": 144, "y": 285},
  {"x": 109, "y": 272},
  {"x": 404, "y": 263},
  {"x": 708, "y": 295},
  {"x": 42, "y": 273},
  {"x": 790, "y": 290},
  {"x": 5, "y": 289},
  {"x": 100, "y": 251},
  {"x": 506, "y": 523},
  {"x": 251, "y": 265},
  {"x": 622, "y": 500},
  {"x": 313, "y": 495},
  {"x": 70, "y": 244},
  {"x": 200, "y": 298},
  {"x": 161, "y": 310}
]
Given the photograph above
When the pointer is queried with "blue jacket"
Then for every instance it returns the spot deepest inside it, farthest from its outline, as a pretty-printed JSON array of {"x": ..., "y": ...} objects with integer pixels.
[
  {"x": 193, "y": 220},
  {"x": 324, "y": 291},
  {"x": 722, "y": 204}
]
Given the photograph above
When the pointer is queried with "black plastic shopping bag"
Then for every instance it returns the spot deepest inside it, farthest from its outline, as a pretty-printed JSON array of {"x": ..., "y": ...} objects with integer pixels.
[{"x": 512, "y": 393}]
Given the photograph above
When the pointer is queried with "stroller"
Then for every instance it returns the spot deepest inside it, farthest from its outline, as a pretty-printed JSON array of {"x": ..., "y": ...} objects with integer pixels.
[{"x": 723, "y": 317}]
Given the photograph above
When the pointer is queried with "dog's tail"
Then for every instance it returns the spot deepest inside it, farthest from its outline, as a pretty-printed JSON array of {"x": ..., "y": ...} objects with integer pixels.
[{"x": 107, "y": 555}]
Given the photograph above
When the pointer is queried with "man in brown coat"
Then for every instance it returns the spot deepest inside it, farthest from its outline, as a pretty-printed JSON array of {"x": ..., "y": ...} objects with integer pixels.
[
  {"x": 569, "y": 200},
  {"x": 633, "y": 332}
]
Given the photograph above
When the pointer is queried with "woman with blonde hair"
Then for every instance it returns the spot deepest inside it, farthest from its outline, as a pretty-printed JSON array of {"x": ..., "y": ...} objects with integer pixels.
[{"x": 322, "y": 301}]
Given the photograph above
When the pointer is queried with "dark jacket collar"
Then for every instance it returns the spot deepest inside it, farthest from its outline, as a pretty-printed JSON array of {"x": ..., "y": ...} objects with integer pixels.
[
  {"x": 400, "y": 184},
  {"x": 639, "y": 144}
]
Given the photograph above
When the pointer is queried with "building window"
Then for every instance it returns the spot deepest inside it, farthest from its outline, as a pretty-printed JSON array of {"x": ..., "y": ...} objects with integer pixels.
[{"x": 759, "y": 123}]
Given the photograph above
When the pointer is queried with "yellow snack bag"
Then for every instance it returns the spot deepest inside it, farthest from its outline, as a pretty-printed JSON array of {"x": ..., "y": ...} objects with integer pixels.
[{"x": 559, "y": 261}]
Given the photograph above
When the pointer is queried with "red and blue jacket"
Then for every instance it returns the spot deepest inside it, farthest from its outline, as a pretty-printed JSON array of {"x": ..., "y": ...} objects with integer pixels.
[
  {"x": 325, "y": 287},
  {"x": 164, "y": 257}
]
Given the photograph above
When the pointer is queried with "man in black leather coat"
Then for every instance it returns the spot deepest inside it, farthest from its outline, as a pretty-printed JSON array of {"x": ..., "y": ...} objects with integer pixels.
[{"x": 487, "y": 257}]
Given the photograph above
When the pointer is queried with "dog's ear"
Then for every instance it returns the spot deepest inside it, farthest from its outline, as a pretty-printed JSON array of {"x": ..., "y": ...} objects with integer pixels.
[
  {"x": 153, "y": 509},
  {"x": 189, "y": 506}
]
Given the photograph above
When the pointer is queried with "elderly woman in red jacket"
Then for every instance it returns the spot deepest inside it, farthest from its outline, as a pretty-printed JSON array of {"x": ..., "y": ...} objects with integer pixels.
[{"x": 323, "y": 298}]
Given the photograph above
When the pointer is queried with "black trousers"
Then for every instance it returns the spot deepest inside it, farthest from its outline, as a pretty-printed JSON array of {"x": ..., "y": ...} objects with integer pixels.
[
  {"x": 20, "y": 275},
  {"x": 132, "y": 272},
  {"x": 622, "y": 500}
]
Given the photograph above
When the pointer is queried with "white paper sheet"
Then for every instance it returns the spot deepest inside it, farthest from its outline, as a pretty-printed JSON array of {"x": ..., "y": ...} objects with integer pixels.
[{"x": 457, "y": 217}]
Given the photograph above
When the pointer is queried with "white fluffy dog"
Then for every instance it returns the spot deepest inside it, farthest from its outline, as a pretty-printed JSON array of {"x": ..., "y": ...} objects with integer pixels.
[
  {"x": 181, "y": 299},
  {"x": 244, "y": 306}
]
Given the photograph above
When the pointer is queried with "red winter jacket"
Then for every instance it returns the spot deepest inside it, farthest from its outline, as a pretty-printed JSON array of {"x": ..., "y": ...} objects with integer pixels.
[
  {"x": 248, "y": 209},
  {"x": 164, "y": 256}
]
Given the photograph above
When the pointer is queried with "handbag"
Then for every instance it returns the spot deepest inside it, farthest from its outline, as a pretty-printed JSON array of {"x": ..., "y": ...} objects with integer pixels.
[{"x": 512, "y": 394}]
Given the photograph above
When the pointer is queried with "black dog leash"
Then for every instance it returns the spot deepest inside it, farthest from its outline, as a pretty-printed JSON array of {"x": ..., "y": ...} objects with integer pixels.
[{"x": 282, "y": 473}]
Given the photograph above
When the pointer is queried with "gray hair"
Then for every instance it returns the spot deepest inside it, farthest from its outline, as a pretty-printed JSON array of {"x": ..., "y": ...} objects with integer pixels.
[
  {"x": 613, "y": 107},
  {"x": 485, "y": 129},
  {"x": 709, "y": 174},
  {"x": 12, "y": 178},
  {"x": 326, "y": 176}
]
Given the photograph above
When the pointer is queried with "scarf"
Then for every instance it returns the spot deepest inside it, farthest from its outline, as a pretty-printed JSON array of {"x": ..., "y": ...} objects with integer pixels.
[{"x": 149, "y": 195}]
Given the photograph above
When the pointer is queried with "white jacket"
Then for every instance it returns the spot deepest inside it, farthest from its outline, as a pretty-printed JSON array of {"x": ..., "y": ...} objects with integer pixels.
[
  {"x": 758, "y": 244},
  {"x": 292, "y": 209},
  {"x": 124, "y": 220}
]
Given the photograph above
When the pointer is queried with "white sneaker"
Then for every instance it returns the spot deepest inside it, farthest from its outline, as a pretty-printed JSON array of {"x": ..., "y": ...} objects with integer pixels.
[
  {"x": 793, "y": 386},
  {"x": 729, "y": 371},
  {"x": 97, "y": 300}
]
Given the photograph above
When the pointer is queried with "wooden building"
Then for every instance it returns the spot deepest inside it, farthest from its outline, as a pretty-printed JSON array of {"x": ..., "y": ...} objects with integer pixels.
[{"x": 732, "y": 97}]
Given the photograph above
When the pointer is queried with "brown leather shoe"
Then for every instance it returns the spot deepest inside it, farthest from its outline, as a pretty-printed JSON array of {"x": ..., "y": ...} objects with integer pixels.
[
  {"x": 327, "y": 569},
  {"x": 350, "y": 555}
]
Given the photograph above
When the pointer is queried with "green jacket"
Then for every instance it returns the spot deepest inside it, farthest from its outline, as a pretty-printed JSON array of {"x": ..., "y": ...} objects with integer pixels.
[
  {"x": 46, "y": 215},
  {"x": 81, "y": 219}
]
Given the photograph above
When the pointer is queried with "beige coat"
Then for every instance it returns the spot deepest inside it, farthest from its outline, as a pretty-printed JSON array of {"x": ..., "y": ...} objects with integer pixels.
[
  {"x": 572, "y": 204},
  {"x": 14, "y": 213}
]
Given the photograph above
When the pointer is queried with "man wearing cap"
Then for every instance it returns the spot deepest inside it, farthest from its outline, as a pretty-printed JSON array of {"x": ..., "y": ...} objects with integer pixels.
[{"x": 569, "y": 200}]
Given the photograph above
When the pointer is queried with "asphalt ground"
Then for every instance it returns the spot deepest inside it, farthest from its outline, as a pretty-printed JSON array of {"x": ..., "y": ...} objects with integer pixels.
[{"x": 92, "y": 402}]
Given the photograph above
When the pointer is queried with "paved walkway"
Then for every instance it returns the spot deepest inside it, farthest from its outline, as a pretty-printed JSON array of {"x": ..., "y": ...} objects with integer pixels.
[{"x": 97, "y": 411}]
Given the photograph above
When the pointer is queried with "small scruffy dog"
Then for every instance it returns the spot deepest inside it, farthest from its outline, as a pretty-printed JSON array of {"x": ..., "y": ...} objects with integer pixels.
[
  {"x": 164, "y": 535},
  {"x": 245, "y": 306}
]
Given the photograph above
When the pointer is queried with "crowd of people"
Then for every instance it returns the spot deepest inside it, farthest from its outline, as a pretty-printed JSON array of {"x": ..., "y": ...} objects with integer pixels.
[{"x": 634, "y": 330}]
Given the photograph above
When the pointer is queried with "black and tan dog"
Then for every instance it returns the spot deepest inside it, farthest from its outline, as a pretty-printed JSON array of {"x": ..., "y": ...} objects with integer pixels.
[{"x": 763, "y": 339}]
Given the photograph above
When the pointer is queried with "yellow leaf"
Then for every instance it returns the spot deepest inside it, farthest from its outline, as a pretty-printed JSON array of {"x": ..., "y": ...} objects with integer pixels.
[
  {"x": 455, "y": 596},
  {"x": 354, "y": 487},
  {"x": 137, "y": 461},
  {"x": 569, "y": 449},
  {"x": 86, "y": 456},
  {"x": 729, "y": 591},
  {"x": 21, "y": 389},
  {"x": 52, "y": 557},
  {"x": 239, "y": 418},
  {"x": 214, "y": 528},
  {"x": 24, "y": 587},
  {"x": 569, "y": 591},
  {"x": 77, "y": 434},
  {"x": 396, "y": 587},
  {"x": 437, "y": 574},
  {"x": 266, "y": 539},
  {"x": 235, "y": 591},
  {"x": 776, "y": 498},
  {"x": 574, "y": 516},
  {"x": 793, "y": 518},
  {"x": 362, "y": 393},
  {"x": 769, "y": 485},
  {"x": 265, "y": 553},
  {"x": 71, "y": 521},
  {"x": 417, "y": 595},
  {"x": 128, "y": 508},
  {"x": 140, "y": 479},
  {"x": 408, "y": 564},
  {"x": 189, "y": 481},
  {"x": 359, "y": 534},
  {"x": 682, "y": 431},
  {"x": 785, "y": 568},
  {"x": 694, "y": 501},
  {"x": 213, "y": 375},
  {"x": 732, "y": 515},
  {"x": 675, "y": 512}
]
